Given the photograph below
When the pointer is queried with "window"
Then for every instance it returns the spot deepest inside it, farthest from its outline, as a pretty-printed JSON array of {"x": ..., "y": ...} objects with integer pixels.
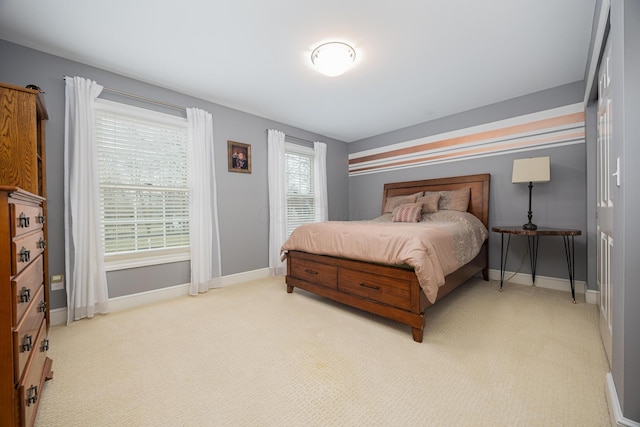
[
  {"x": 144, "y": 194},
  {"x": 300, "y": 188}
]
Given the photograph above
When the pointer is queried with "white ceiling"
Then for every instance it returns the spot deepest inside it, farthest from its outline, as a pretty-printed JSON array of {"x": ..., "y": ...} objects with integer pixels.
[{"x": 417, "y": 60}]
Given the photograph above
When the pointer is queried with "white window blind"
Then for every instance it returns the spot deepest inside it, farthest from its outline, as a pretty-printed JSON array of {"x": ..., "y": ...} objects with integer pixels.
[
  {"x": 142, "y": 160},
  {"x": 300, "y": 188}
]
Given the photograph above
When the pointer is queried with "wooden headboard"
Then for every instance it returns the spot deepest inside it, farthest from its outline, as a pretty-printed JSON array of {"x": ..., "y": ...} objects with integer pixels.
[{"x": 479, "y": 185}]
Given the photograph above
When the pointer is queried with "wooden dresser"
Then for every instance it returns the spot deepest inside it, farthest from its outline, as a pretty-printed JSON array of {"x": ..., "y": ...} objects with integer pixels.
[{"x": 24, "y": 291}]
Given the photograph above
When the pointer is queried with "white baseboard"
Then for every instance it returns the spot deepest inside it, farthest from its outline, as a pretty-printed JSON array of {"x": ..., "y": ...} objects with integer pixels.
[
  {"x": 246, "y": 276},
  {"x": 592, "y": 297},
  {"x": 615, "y": 412},
  {"x": 546, "y": 282},
  {"x": 59, "y": 315}
]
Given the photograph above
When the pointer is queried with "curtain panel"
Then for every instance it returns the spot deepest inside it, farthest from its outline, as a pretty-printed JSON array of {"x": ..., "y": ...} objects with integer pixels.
[
  {"x": 277, "y": 200},
  {"x": 321, "y": 207},
  {"x": 203, "y": 205},
  {"x": 87, "y": 292}
]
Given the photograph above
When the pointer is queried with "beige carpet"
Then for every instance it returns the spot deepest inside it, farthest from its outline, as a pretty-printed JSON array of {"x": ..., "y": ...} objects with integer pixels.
[{"x": 253, "y": 355}]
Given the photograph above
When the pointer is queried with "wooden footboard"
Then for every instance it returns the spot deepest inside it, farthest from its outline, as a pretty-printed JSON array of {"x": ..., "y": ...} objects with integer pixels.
[{"x": 388, "y": 291}]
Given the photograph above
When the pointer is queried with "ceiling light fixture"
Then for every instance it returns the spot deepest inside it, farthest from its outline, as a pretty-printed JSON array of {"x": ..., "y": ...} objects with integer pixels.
[{"x": 333, "y": 58}]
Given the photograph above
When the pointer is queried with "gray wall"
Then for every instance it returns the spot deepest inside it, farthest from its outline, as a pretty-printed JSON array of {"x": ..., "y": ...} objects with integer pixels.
[
  {"x": 625, "y": 34},
  {"x": 559, "y": 203},
  {"x": 242, "y": 198}
]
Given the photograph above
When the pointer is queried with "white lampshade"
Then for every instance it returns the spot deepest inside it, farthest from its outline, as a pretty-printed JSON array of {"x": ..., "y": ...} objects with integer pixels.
[
  {"x": 333, "y": 58},
  {"x": 531, "y": 170}
]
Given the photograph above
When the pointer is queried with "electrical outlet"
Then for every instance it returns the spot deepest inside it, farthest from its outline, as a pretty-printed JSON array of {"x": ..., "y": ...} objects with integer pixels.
[{"x": 57, "y": 282}]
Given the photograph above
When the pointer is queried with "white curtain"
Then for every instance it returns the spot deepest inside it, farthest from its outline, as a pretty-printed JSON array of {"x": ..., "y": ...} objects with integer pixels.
[
  {"x": 86, "y": 277},
  {"x": 320, "y": 181},
  {"x": 203, "y": 206},
  {"x": 277, "y": 200}
]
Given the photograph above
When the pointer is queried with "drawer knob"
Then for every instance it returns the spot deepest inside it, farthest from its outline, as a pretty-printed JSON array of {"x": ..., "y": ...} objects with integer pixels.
[
  {"x": 43, "y": 307},
  {"x": 42, "y": 243},
  {"x": 25, "y": 294},
  {"x": 27, "y": 343},
  {"x": 25, "y": 255},
  {"x": 365, "y": 285},
  {"x": 310, "y": 271},
  {"x": 40, "y": 219},
  {"x": 32, "y": 395},
  {"x": 45, "y": 345},
  {"x": 23, "y": 220}
]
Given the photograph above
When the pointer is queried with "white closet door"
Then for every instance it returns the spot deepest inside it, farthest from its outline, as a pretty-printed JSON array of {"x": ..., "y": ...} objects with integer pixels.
[{"x": 607, "y": 173}]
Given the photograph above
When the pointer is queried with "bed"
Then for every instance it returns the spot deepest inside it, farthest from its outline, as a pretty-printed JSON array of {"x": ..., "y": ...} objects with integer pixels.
[{"x": 396, "y": 290}]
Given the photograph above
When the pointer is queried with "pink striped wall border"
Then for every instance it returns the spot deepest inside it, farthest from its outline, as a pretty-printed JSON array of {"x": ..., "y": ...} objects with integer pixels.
[{"x": 550, "y": 128}]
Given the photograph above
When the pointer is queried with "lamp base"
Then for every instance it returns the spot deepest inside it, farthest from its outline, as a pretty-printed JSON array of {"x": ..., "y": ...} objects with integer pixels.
[{"x": 529, "y": 226}]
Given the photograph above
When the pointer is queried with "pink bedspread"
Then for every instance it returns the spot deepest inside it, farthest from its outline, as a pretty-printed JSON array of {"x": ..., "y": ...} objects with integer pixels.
[{"x": 435, "y": 247}]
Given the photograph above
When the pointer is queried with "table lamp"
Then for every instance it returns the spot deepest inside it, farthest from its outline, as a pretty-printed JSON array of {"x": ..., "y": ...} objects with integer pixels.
[{"x": 531, "y": 170}]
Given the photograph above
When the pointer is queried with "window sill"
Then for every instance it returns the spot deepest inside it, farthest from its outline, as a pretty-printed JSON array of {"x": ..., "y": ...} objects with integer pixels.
[{"x": 126, "y": 262}]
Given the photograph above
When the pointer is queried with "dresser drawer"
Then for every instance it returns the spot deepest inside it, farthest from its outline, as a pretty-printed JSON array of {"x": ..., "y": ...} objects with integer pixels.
[
  {"x": 25, "y": 218},
  {"x": 25, "y": 249},
  {"x": 30, "y": 387},
  {"x": 373, "y": 287},
  {"x": 315, "y": 272},
  {"x": 25, "y": 332},
  {"x": 24, "y": 287}
]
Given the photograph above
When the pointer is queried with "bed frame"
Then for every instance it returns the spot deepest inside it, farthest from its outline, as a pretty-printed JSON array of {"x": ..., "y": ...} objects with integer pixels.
[{"x": 391, "y": 291}]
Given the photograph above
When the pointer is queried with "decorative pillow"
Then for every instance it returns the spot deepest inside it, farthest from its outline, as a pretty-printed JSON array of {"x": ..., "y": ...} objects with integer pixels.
[
  {"x": 411, "y": 212},
  {"x": 429, "y": 203},
  {"x": 454, "y": 200},
  {"x": 395, "y": 201}
]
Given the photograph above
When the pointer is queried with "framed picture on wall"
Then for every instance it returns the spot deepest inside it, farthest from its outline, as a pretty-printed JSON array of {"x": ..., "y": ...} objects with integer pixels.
[{"x": 239, "y": 156}]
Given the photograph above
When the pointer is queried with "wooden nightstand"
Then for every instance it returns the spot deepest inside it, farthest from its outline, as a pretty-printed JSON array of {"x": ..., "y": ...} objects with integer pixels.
[{"x": 532, "y": 239}]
